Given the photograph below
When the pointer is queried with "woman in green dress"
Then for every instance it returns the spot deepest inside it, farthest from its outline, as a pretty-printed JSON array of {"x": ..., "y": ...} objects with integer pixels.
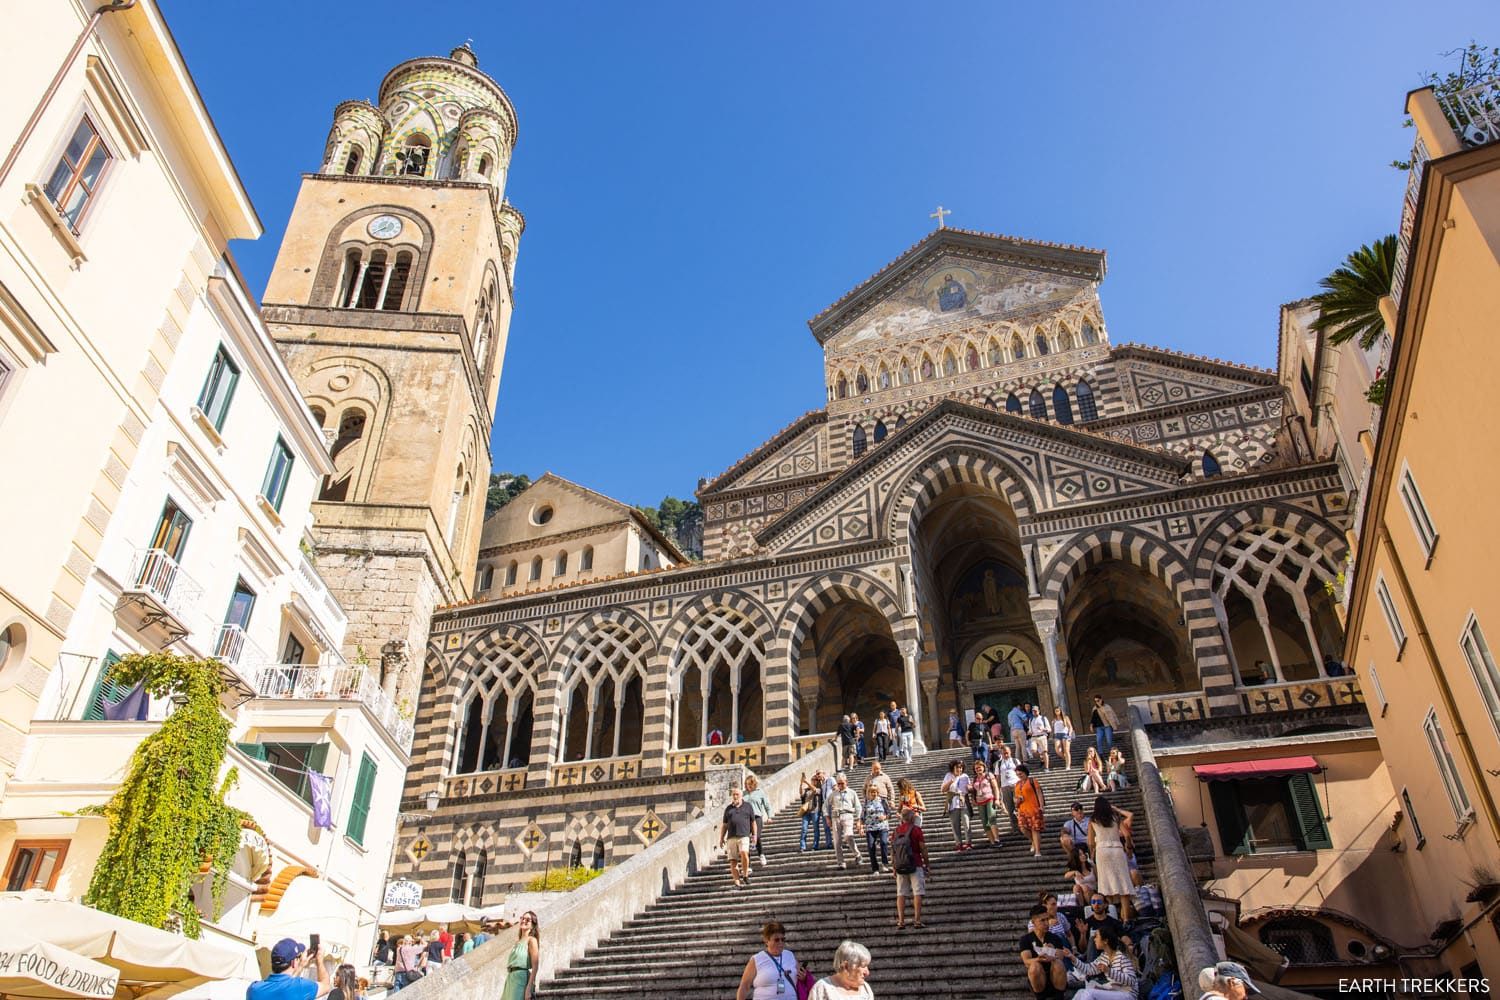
[{"x": 521, "y": 964}]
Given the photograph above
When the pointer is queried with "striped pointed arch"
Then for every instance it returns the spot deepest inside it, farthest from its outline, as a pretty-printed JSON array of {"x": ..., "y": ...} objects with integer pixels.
[
  {"x": 1320, "y": 534},
  {"x": 716, "y": 677},
  {"x": 822, "y": 593},
  {"x": 953, "y": 466},
  {"x": 599, "y": 684},
  {"x": 1068, "y": 565}
]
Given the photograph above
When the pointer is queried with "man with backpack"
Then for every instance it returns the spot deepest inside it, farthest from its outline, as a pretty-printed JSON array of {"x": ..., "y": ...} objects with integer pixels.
[{"x": 909, "y": 861}]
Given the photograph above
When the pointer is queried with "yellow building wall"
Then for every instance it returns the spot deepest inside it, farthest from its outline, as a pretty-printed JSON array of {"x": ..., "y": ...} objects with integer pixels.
[
  {"x": 1361, "y": 876},
  {"x": 1445, "y": 440}
]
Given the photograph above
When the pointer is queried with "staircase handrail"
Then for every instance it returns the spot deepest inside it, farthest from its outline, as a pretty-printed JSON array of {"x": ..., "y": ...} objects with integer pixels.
[
  {"x": 1192, "y": 938},
  {"x": 589, "y": 914}
]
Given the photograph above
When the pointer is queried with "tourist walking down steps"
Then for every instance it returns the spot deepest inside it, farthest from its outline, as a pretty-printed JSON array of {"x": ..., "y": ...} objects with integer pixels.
[
  {"x": 844, "y": 810},
  {"x": 761, "y": 805}
]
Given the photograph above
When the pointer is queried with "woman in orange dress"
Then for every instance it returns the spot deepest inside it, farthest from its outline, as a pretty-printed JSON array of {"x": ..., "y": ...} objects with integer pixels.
[{"x": 1030, "y": 809}]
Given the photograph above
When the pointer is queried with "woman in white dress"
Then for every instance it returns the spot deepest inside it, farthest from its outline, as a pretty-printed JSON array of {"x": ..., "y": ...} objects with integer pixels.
[
  {"x": 1111, "y": 867},
  {"x": 851, "y": 964},
  {"x": 771, "y": 974}
]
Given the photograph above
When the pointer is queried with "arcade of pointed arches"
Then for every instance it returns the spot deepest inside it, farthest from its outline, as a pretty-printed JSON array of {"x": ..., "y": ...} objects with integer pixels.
[
  {"x": 1108, "y": 615},
  {"x": 919, "y": 362}
]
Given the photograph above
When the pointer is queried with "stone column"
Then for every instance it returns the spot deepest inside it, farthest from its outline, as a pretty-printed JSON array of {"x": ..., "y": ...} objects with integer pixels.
[
  {"x": 780, "y": 704},
  {"x": 656, "y": 726},
  {"x": 909, "y": 650},
  {"x": 930, "y": 688},
  {"x": 1263, "y": 617},
  {"x": 1044, "y": 615}
]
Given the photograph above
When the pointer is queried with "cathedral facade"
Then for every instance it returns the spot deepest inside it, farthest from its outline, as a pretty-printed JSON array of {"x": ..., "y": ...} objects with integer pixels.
[{"x": 994, "y": 505}]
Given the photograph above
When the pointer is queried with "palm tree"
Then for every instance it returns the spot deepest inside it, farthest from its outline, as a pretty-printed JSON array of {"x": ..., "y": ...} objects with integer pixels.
[{"x": 1349, "y": 305}]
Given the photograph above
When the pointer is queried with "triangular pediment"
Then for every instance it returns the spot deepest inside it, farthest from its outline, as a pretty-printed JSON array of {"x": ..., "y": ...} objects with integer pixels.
[
  {"x": 796, "y": 452},
  {"x": 958, "y": 276},
  {"x": 1151, "y": 377},
  {"x": 1050, "y": 467}
]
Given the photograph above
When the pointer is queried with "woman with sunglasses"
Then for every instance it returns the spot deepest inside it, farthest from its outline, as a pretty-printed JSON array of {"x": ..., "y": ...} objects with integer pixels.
[
  {"x": 525, "y": 956},
  {"x": 771, "y": 972}
]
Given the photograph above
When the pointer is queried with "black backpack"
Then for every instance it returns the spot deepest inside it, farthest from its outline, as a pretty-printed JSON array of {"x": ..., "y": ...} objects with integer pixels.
[{"x": 903, "y": 859}]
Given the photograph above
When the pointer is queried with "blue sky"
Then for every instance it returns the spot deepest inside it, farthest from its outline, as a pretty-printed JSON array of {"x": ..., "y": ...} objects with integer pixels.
[{"x": 700, "y": 179}]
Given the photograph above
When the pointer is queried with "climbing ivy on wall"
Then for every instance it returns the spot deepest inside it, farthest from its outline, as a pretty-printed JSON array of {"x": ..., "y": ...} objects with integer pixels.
[{"x": 169, "y": 816}]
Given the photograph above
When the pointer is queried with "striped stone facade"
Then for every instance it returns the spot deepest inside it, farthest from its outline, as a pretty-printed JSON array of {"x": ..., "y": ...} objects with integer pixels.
[{"x": 801, "y": 529}]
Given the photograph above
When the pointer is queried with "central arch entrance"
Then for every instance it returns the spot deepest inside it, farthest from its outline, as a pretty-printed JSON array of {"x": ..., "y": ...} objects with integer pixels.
[{"x": 973, "y": 600}]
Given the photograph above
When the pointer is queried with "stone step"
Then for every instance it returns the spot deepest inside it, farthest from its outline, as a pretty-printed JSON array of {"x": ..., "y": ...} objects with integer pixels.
[{"x": 694, "y": 940}]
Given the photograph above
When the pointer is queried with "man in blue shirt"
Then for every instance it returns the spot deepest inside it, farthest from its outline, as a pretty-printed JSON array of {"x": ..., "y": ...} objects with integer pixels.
[
  {"x": 288, "y": 959},
  {"x": 1016, "y": 720}
]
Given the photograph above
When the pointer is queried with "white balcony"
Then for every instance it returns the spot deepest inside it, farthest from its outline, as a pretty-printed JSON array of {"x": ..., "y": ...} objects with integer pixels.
[
  {"x": 330, "y": 682},
  {"x": 326, "y": 615},
  {"x": 159, "y": 599}
]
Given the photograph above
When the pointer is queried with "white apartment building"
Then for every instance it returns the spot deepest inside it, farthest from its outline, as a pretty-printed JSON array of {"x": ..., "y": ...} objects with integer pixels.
[{"x": 195, "y": 536}]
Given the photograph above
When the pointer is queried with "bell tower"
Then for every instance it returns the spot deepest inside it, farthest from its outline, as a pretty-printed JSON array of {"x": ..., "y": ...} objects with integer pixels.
[{"x": 390, "y": 300}]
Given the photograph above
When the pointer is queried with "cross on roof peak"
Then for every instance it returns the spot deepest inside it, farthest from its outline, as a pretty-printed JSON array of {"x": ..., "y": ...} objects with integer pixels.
[{"x": 938, "y": 215}]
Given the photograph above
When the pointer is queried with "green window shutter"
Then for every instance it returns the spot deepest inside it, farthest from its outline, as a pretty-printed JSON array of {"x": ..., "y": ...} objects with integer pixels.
[
  {"x": 1309, "y": 812},
  {"x": 255, "y": 750},
  {"x": 1234, "y": 828},
  {"x": 105, "y": 690},
  {"x": 359, "y": 811},
  {"x": 317, "y": 759}
]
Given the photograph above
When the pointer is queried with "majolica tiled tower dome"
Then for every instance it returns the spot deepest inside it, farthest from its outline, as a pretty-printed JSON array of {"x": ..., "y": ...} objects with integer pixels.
[{"x": 391, "y": 300}]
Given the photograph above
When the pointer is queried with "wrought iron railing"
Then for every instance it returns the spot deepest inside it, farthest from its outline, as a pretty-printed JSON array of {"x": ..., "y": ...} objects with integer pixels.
[
  {"x": 156, "y": 574},
  {"x": 1474, "y": 113},
  {"x": 1403, "y": 235},
  {"x": 231, "y": 646},
  {"x": 331, "y": 682}
]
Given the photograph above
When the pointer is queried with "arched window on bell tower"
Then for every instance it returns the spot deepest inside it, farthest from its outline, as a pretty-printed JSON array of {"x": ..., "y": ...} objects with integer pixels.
[
  {"x": 415, "y": 154},
  {"x": 347, "y": 453},
  {"x": 372, "y": 280},
  {"x": 354, "y": 160}
]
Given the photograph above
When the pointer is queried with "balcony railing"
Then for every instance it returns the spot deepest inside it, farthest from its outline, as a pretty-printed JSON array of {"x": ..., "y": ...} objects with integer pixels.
[
  {"x": 162, "y": 595},
  {"x": 330, "y": 682},
  {"x": 1403, "y": 236},
  {"x": 1474, "y": 113},
  {"x": 319, "y": 593},
  {"x": 231, "y": 646}
]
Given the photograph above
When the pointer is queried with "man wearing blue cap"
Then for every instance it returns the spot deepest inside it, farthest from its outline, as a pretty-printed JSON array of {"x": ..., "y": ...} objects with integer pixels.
[{"x": 288, "y": 959}]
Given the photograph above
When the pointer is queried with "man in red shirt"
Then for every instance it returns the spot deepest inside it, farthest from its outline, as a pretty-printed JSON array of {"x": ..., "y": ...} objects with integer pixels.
[
  {"x": 909, "y": 859},
  {"x": 447, "y": 940}
]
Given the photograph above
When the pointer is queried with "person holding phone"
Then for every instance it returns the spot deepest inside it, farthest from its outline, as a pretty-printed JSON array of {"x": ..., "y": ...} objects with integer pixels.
[{"x": 288, "y": 960}]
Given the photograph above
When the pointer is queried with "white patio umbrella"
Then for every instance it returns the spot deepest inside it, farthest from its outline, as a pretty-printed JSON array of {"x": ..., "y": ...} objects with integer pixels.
[
  {"x": 33, "y": 968},
  {"x": 150, "y": 962},
  {"x": 454, "y": 916}
]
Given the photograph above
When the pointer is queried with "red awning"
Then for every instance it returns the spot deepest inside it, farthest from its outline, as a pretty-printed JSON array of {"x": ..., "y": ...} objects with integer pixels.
[{"x": 1271, "y": 768}]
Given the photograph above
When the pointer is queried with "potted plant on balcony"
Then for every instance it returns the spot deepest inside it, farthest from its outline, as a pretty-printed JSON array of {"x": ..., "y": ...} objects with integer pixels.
[{"x": 1483, "y": 885}]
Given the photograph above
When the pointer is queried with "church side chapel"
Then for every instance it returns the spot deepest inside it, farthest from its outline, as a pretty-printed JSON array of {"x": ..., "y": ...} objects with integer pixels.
[{"x": 995, "y": 504}]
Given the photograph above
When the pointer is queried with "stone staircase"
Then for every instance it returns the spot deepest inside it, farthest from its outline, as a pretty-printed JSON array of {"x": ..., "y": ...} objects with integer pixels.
[{"x": 694, "y": 941}]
